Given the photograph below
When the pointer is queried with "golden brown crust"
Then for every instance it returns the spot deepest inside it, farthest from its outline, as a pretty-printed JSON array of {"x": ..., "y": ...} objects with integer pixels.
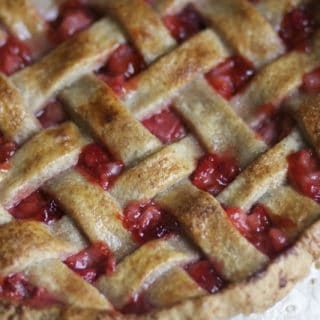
[
  {"x": 276, "y": 81},
  {"x": 308, "y": 116},
  {"x": 173, "y": 287},
  {"x": 267, "y": 172},
  {"x": 248, "y": 296},
  {"x": 160, "y": 168},
  {"x": 94, "y": 211},
  {"x": 287, "y": 203},
  {"x": 24, "y": 21},
  {"x": 271, "y": 84},
  {"x": 47, "y": 154},
  {"x": 204, "y": 220},
  {"x": 9, "y": 311},
  {"x": 67, "y": 230},
  {"x": 193, "y": 58},
  {"x": 169, "y": 7},
  {"x": 157, "y": 172},
  {"x": 215, "y": 124},
  {"x": 4, "y": 216},
  {"x": 68, "y": 62},
  {"x": 66, "y": 286},
  {"x": 274, "y": 10},
  {"x": 146, "y": 29},
  {"x": 15, "y": 121},
  {"x": 236, "y": 19},
  {"x": 21, "y": 11},
  {"x": 25, "y": 243},
  {"x": 149, "y": 262},
  {"x": 94, "y": 105}
]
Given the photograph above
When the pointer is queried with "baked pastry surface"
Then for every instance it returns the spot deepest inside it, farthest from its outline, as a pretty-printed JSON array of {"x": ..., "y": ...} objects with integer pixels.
[{"x": 158, "y": 159}]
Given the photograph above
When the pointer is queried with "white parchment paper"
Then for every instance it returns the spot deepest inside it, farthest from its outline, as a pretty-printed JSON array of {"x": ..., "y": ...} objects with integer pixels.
[{"x": 303, "y": 302}]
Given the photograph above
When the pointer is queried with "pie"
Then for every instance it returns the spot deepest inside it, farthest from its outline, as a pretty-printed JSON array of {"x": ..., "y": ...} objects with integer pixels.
[{"x": 158, "y": 159}]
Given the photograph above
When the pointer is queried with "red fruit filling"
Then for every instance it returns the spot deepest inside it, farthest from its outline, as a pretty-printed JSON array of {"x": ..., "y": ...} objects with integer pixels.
[
  {"x": 7, "y": 150},
  {"x": 138, "y": 304},
  {"x": 147, "y": 221},
  {"x": 214, "y": 172},
  {"x": 165, "y": 125},
  {"x": 311, "y": 81},
  {"x": 16, "y": 287},
  {"x": 206, "y": 276},
  {"x": 14, "y": 55},
  {"x": 92, "y": 262},
  {"x": 96, "y": 164},
  {"x": 38, "y": 206},
  {"x": 53, "y": 114},
  {"x": 304, "y": 173},
  {"x": 262, "y": 228},
  {"x": 297, "y": 27},
  {"x": 231, "y": 76},
  {"x": 124, "y": 63},
  {"x": 272, "y": 124},
  {"x": 74, "y": 16},
  {"x": 185, "y": 24}
]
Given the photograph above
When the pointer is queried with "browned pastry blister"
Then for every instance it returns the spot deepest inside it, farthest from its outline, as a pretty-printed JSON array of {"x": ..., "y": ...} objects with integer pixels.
[{"x": 172, "y": 74}]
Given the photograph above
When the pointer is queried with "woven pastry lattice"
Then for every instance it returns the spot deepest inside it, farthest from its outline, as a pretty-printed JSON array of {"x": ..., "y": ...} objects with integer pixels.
[{"x": 146, "y": 185}]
